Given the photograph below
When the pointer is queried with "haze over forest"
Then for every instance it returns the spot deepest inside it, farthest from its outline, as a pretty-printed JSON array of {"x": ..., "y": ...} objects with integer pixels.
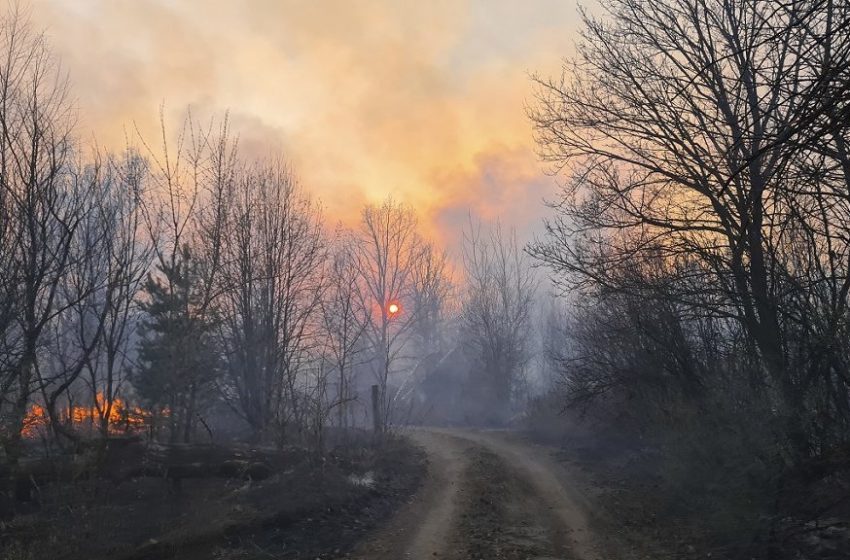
[
  {"x": 422, "y": 101},
  {"x": 396, "y": 279}
]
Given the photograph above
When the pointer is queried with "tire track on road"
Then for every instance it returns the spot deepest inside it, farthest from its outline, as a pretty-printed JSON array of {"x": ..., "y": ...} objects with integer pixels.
[{"x": 487, "y": 495}]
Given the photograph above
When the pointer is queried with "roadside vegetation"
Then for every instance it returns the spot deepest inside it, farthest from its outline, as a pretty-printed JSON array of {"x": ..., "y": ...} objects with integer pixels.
[{"x": 701, "y": 235}]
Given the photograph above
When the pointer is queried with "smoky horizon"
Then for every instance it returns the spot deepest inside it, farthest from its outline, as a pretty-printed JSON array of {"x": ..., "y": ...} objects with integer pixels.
[{"x": 392, "y": 279}]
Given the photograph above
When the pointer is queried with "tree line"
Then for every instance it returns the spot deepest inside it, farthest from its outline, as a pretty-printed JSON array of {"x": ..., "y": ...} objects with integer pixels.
[
  {"x": 180, "y": 282},
  {"x": 703, "y": 225}
]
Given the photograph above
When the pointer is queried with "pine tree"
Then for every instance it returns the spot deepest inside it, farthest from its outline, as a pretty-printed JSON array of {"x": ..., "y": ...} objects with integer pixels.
[{"x": 177, "y": 363}]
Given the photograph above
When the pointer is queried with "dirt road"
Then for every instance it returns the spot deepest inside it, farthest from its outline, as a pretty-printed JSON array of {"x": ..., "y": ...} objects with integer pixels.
[{"x": 488, "y": 495}]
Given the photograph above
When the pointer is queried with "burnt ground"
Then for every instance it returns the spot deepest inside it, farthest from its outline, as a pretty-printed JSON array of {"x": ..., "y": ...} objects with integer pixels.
[
  {"x": 478, "y": 495},
  {"x": 312, "y": 510},
  {"x": 630, "y": 509},
  {"x": 643, "y": 517}
]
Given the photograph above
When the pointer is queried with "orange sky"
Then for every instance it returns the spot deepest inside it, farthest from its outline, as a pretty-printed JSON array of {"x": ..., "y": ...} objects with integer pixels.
[{"x": 423, "y": 99}]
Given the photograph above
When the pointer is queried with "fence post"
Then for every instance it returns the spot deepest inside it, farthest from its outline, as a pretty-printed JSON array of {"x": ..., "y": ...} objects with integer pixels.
[{"x": 376, "y": 410}]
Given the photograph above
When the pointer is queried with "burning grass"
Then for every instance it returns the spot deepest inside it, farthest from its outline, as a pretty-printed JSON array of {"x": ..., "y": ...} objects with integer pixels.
[{"x": 119, "y": 416}]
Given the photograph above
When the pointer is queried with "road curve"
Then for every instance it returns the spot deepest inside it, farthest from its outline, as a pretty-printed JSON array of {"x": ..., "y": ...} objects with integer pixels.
[{"x": 488, "y": 494}]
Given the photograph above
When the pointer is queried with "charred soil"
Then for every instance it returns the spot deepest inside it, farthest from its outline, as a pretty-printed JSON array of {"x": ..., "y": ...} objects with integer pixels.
[
  {"x": 314, "y": 509},
  {"x": 646, "y": 514}
]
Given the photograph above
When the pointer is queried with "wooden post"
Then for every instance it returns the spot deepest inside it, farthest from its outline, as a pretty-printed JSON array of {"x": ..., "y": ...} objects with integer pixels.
[{"x": 376, "y": 410}]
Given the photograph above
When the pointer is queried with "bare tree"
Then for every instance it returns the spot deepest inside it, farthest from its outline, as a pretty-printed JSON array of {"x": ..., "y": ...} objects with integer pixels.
[
  {"x": 431, "y": 300},
  {"x": 343, "y": 324},
  {"x": 44, "y": 203},
  {"x": 129, "y": 252},
  {"x": 85, "y": 294},
  {"x": 496, "y": 314},
  {"x": 177, "y": 178},
  {"x": 108, "y": 260},
  {"x": 707, "y": 132},
  {"x": 271, "y": 284},
  {"x": 388, "y": 249}
]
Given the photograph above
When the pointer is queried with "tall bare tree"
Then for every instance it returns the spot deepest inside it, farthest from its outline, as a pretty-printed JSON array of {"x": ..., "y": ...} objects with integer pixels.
[
  {"x": 388, "y": 250},
  {"x": 129, "y": 252},
  {"x": 86, "y": 295},
  {"x": 343, "y": 324},
  {"x": 496, "y": 314},
  {"x": 272, "y": 269},
  {"x": 44, "y": 203},
  {"x": 431, "y": 300},
  {"x": 708, "y": 132}
]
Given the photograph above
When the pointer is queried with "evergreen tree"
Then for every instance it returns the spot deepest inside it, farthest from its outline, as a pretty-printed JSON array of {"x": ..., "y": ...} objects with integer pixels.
[{"x": 177, "y": 363}]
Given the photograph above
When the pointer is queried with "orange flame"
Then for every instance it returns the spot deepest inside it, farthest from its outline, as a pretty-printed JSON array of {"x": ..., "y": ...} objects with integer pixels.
[{"x": 122, "y": 417}]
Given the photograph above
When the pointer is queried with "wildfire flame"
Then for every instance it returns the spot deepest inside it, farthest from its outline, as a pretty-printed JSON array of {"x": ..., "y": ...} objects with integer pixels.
[{"x": 122, "y": 417}]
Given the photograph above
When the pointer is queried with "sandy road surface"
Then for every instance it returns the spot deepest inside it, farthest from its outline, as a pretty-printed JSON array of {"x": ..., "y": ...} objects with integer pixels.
[{"x": 488, "y": 495}]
